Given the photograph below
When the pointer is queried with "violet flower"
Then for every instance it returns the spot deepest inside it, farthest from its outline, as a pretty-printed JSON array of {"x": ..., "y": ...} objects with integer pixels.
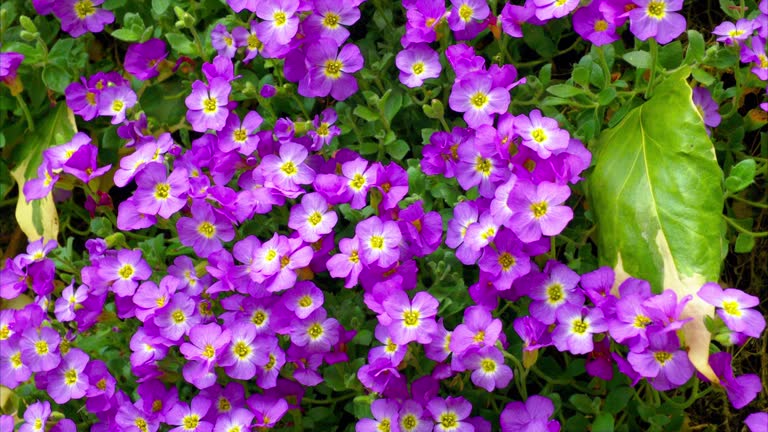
[
  {"x": 531, "y": 416},
  {"x": 733, "y": 306},
  {"x": 657, "y": 19},
  {"x": 143, "y": 59}
]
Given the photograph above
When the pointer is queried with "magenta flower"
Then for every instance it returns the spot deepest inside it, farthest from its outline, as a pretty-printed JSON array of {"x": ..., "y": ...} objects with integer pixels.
[
  {"x": 506, "y": 261},
  {"x": 303, "y": 299},
  {"x": 280, "y": 21},
  {"x": 316, "y": 333},
  {"x": 465, "y": 12},
  {"x": 237, "y": 419},
  {"x": 663, "y": 363},
  {"x": 476, "y": 97},
  {"x": 513, "y": 17},
  {"x": 81, "y": 16},
  {"x": 594, "y": 25},
  {"x": 755, "y": 53},
  {"x": 757, "y": 421},
  {"x": 361, "y": 178},
  {"x": 410, "y": 320},
  {"x": 206, "y": 343},
  {"x": 68, "y": 381},
  {"x": 143, "y": 59},
  {"x": 488, "y": 368},
  {"x": 392, "y": 181},
  {"x": 706, "y": 106},
  {"x": 82, "y": 99},
  {"x": 205, "y": 230},
  {"x": 422, "y": 18},
  {"x": 385, "y": 417},
  {"x": 35, "y": 417},
  {"x": 541, "y": 134},
  {"x": 312, "y": 218},
  {"x": 131, "y": 417},
  {"x": 575, "y": 329},
  {"x": 379, "y": 241},
  {"x": 329, "y": 18},
  {"x": 548, "y": 9},
  {"x": 244, "y": 354},
  {"x": 330, "y": 70},
  {"x": 478, "y": 330},
  {"x": 190, "y": 418},
  {"x": 730, "y": 33},
  {"x": 450, "y": 414},
  {"x": 346, "y": 264},
  {"x": 417, "y": 63},
  {"x": 531, "y": 416},
  {"x": 288, "y": 170},
  {"x": 733, "y": 307},
  {"x": 657, "y": 19},
  {"x": 69, "y": 300},
  {"x": 249, "y": 39},
  {"x": 267, "y": 410},
  {"x": 159, "y": 193},
  {"x": 177, "y": 317},
  {"x": 114, "y": 101},
  {"x": 538, "y": 211},
  {"x": 741, "y": 390},
  {"x": 39, "y": 349},
  {"x": 126, "y": 269},
  {"x": 13, "y": 370},
  {"x": 208, "y": 105},
  {"x": 240, "y": 135},
  {"x": 554, "y": 291}
]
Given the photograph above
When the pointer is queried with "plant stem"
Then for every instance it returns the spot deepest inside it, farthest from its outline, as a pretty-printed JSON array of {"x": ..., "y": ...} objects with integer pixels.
[
  {"x": 752, "y": 203},
  {"x": 604, "y": 65},
  {"x": 742, "y": 230},
  {"x": 27, "y": 114},
  {"x": 654, "y": 58}
]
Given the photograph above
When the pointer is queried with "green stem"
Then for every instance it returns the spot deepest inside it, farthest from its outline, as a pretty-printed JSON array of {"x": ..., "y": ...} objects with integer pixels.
[
  {"x": 27, "y": 114},
  {"x": 654, "y": 57},
  {"x": 742, "y": 230},
  {"x": 328, "y": 401},
  {"x": 199, "y": 44},
  {"x": 752, "y": 203},
  {"x": 604, "y": 65}
]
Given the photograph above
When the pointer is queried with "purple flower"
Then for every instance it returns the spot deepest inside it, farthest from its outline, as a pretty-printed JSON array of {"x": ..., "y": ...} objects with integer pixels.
[
  {"x": 757, "y": 421},
  {"x": 159, "y": 193},
  {"x": 303, "y": 299},
  {"x": 9, "y": 65},
  {"x": 280, "y": 21},
  {"x": 39, "y": 349},
  {"x": 316, "y": 332},
  {"x": 83, "y": 163},
  {"x": 537, "y": 210},
  {"x": 466, "y": 12},
  {"x": 126, "y": 269},
  {"x": 347, "y": 262},
  {"x": 81, "y": 16},
  {"x": 575, "y": 329},
  {"x": 506, "y": 261},
  {"x": 475, "y": 96},
  {"x": 548, "y": 9},
  {"x": 741, "y": 390},
  {"x": 68, "y": 381},
  {"x": 450, "y": 414},
  {"x": 223, "y": 41},
  {"x": 513, "y": 17},
  {"x": 663, "y": 363},
  {"x": 208, "y": 105},
  {"x": 730, "y": 33},
  {"x": 553, "y": 292},
  {"x": 237, "y": 419},
  {"x": 206, "y": 343},
  {"x": 189, "y": 418},
  {"x": 69, "y": 300},
  {"x": 361, "y": 178},
  {"x": 417, "y": 63},
  {"x": 312, "y": 218},
  {"x": 755, "y": 52},
  {"x": 385, "y": 413},
  {"x": 379, "y": 241},
  {"x": 244, "y": 354},
  {"x": 706, "y": 106},
  {"x": 205, "y": 230},
  {"x": 143, "y": 59},
  {"x": 488, "y": 368},
  {"x": 328, "y": 19},
  {"x": 114, "y": 101},
  {"x": 657, "y": 19},
  {"x": 267, "y": 410},
  {"x": 592, "y": 24},
  {"x": 240, "y": 135},
  {"x": 541, "y": 134},
  {"x": 330, "y": 70},
  {"x": 478, "y": 330},
  {"x": 410, "y": 320},
  {"x": 733, "y": 307},
  {"x": 35, "y": 417},
  {"x": 132, "y": 418},
  {"x": 177, "y": 317},
  {"x": 531, "y": 416},
  {"x": 288, "y": 170},
  {"x": 248, "y": 38}
]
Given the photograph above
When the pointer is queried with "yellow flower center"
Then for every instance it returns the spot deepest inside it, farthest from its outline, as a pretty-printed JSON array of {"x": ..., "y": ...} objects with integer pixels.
[
  {"x": 16, "y": 360},
  {"x": 539, "y": 209},
  {"x": 160, "y": 302},
  {"x": 483, "y": 166},
  {"x": 157, "y": 405},
  {"x": 284, "y": 261},
  {"x": 506, "y": 261},
  {"x": 539, "y": 135},
  {"x": 488, "y": 365},
  {"x": 162, "y": 191},
  {"x": 280, "y": 18},
  {"x": 323, "y": 130},
  {"x": 331, "y": 20},
  {"x": 315, "y": 218},
  {"x": 449, "y": 420},
  {"x": 662, "y": 357},
  {"x": 141, "y": 424},
  {"x": 411, "y": 318},
  {"x": 101, "y": 384},
  {"x": 305, "y": 301},
  {"x": 210, "y": 105},
  {"x": 466, "y": 12},
  {"x": 191, "y": 421},
  {"x": 479, "y": 336},
  {"x": 409, "y": 422},
  {"x": 84, "y": 9},
  {"x": 384, "y": 425},
  {"x": 354, "y": 257},
  {"x": 555, "y": 293},
  {"x": 178, "y": 316},
  {"x": 41, "y": 347},
  {"x": 206, "y": 229},
  {"x": 641, "y": 321},
  {"x": 315, "y": 331},
  {"x": 253, "y": 42},
  {"x": 271, "y": 254},
  {"x": 289, "y": 168},
  {"x": 224, "y": 405},
  {"x": 479, "y": 100},
  {"x": 91, "y": 98},
  {"x": 271, "y": 363},
  {"x": 390, "y": 346},
  {"x": 241, "y": 350},
  {"x": 490, "y": 232},
  {"x": 259, "y": 317},
  {"x": 579, "y": 327},
  {"x": 70, "y": 377},
  {"x": 731, "y": 307},
  {"x": 228, "y": 40},
  {"x": 357, "y": 182},
  {"x": 601, "y": 25},
  {"x": 333, "y": 69},
  {"x": 240, "y": 135},
  {"x": 418, "y": 68},
  {"x": 209, "y": 352},
  {"x": 657, "y": 10},
  {"x": 377, "y": 242},
  {"x": 117, "y": 105},
  {"x": 5, "y": 332}
]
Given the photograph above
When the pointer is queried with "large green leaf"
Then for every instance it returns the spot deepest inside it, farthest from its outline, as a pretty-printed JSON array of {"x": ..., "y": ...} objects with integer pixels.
[
  {"x": 39, "y": 218},
  {"x": 657, "y": 196}
]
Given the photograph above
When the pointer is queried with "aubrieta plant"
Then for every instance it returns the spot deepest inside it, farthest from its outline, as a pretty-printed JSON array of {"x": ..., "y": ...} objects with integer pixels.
[{"x": 382, "y": 216}]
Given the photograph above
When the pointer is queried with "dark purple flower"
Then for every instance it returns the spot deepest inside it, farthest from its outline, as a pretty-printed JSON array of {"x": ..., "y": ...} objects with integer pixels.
[
  {"x": 143, "y": 59},
  {"x": 81, "y": 16},
  {"x": 531, "y": 416},
  {"x": 592, "y": 24},
  {"x": 741, "y": 390}
]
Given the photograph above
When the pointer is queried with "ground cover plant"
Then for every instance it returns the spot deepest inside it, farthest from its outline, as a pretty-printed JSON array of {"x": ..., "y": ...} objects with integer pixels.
[{"x": 345, "y": 215}]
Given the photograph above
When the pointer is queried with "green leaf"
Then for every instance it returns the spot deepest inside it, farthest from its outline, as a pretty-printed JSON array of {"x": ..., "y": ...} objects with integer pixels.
[
  {"x": 545, "y": 74},
  {"x": 582, "y": 403},
  {"x": 56, "y": 78},
  {"x": 695, "y": 52},
  {"x": 391, "y": 103},
  {"x": 39, "y": 218},
  {"x": 603, "y": 423},
  {"x": 365, "y": 113},
  {"x": 744, "y": 243},
  {"x": 606, "y": 96},
  {"x": 398, "y": 149},
  {"x": 657, "y": 199},
  {"x": 126, "y": 35},
  {"x": 671, "y": 55},
  {"x": 540, "y": 41},
  {"x": 742, "y": 175},
  {"x": 435, "y": 110},
  {"x": 181, "y": 44},
  {"x": 638, "y": 59},
  {"x": 703, "y": 76},
  {"x": 160, "y": 6},
  {"x": 61, "y": 51},
  {"x": 564, "y": 90},
  {"x": 617, "y": 399}
]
